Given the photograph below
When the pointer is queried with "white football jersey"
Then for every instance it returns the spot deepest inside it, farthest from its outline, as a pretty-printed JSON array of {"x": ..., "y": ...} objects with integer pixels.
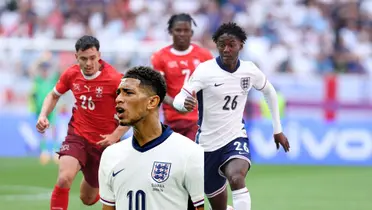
[
  {"x": 160, "y": 175},
  {"x": 221, "y": 100}
]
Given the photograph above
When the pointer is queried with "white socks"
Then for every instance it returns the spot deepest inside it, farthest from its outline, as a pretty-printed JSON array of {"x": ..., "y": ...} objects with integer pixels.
[{"x": 241, "y": 199}]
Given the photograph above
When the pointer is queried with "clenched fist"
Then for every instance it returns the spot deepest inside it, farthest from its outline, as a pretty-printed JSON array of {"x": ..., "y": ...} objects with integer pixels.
[{"x": 42, "y": 124}]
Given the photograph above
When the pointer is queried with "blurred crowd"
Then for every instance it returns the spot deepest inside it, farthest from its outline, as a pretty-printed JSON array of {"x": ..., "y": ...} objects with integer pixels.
[
  {"x": 301, "y": 36},
  {"x": 294, "y": 36}
]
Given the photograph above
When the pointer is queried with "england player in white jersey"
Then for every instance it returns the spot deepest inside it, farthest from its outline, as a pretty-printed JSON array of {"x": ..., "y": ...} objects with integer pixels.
[
  {"x": 221, "y": 86},
  {"x": 156, "y": 169}
]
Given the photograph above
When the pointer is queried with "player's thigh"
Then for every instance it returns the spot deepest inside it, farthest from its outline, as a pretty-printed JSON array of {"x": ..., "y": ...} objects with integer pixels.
[
  {"x": 219, "y": 202},
  {"x": 72, "y": 158},
  {"x": 236, "y": 162},
  {"x": 214, "y": 183},
  {"x": 90, "y": 170},
  {"x": 68, "y": 167}
]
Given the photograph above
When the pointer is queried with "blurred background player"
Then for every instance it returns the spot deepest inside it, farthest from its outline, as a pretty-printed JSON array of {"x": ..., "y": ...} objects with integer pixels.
[
  {"x": 222, "y": 87},
  {"x": 168, "y": 166},
  {"x": 92, "y": 127},
  {"x": 176, "y": 63},
  {"x": 44, "y": 79}
]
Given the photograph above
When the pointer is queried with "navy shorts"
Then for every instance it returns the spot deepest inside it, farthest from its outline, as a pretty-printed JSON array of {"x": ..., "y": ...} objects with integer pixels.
[{"x": 214, "y": 180}]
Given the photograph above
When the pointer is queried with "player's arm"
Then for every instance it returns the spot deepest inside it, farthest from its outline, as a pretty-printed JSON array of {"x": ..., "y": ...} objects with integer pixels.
[
  {"x": 185, "y": 100},
  {"x": 105, "y": 207},
  {"x": 261, "y": 83},
  {"x": 194, "y": 177},
  {"x": 107, "y": 196},
  {"x": 51, "y": 100},
  {"x": 49, "y": 104}
]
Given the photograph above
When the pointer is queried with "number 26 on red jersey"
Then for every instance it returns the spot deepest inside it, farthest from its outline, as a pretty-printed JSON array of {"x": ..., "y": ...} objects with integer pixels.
[{"x": 87, "y": 103}]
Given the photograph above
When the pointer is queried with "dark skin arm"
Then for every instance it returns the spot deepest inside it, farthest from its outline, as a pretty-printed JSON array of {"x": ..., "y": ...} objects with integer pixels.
[{"x": 105, "y": 207}]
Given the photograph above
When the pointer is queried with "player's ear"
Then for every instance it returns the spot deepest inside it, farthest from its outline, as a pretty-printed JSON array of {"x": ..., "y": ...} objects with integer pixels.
[{"x": 153, "y": 102}]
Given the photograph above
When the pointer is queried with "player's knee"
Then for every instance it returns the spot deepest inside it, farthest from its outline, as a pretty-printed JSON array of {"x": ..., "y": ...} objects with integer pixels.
[
  {"x": 236, "y": 180},
  {"x": 88, "y": 199},
  {"x": 65, "y": 180}
]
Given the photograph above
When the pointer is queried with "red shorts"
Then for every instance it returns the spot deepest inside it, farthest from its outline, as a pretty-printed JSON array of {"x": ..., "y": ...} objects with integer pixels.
[
  {"x": 184, "y": 127},
  {"x": 86, "y": 153}
]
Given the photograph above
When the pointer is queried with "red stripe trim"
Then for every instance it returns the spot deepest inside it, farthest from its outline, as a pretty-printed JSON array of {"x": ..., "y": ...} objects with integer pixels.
[{"x": 187, "y": 91}]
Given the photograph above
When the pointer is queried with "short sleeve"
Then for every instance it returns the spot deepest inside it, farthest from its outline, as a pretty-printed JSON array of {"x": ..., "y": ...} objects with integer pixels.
[
  {"x": 196, "y": 81},
  {"x": 194, "y": 176},
  {"x": 157, "y": 63},
  {"x": 207, "y": 55},
  {"x": 259, "y": 79},
  {"x": 63, "y": 84},
  {"x": 106, "y": 193}
]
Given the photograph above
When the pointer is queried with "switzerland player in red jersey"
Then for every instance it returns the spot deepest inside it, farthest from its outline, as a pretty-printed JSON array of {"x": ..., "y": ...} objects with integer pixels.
[
  {"x": 177, "y": 62},
  {"x": 92, "y": 126}
]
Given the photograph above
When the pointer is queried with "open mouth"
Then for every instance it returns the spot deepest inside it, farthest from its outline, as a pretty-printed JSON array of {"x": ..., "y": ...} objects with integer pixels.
[{"x": 120, "y": 112}]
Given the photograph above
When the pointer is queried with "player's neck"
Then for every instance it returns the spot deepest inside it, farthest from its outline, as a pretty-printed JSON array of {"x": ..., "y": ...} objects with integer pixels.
[
  {"x": 181, "y": 48},
  {"x": 232, "y": 66},
  {"x": 147, "y": 130}
]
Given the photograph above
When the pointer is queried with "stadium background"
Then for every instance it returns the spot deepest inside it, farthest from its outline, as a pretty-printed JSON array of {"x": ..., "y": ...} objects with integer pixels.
[{"x": 317, "y": 53}]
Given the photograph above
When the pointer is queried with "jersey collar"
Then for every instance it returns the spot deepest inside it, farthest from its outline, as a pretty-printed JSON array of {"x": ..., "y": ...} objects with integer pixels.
[
  {"x": 219, "y": 62},
  {"x": 157, "y": 141},
  {"x": 96, "y": 74},
  {"x": 181, "y": 53}
]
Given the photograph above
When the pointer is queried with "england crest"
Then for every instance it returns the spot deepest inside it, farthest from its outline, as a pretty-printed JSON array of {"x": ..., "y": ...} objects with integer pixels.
[
  {"x": 160, "y": 171},
  {"x": 245, "y": 82}
]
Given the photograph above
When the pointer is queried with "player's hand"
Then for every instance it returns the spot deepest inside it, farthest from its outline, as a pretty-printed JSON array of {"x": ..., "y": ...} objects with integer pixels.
[
  {"x": 191, "y": 102},
  {"x": 108, "y": 139},
  {"x": 281, "y": 139},
  {"x": 42, "y": 124}
]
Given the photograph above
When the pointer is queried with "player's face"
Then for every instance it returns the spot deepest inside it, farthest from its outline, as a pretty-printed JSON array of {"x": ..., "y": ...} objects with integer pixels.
[
  {"x": 182, "y": 33},
  {"x": 228, "y": 47},
  {"x": 89, "y": 60},
  {"x": 133, "y": 103}
]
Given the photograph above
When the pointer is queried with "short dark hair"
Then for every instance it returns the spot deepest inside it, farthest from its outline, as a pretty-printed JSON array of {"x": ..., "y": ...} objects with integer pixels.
[
  {"x": 86, "y": 42},
  {"x": 149, "y": 78},
  {"x": 179, "y": 17},
  {"x": 232, "y": 29}
]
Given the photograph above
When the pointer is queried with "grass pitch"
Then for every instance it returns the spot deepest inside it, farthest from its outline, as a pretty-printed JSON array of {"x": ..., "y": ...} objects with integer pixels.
[{"x": 25, "y": 184}]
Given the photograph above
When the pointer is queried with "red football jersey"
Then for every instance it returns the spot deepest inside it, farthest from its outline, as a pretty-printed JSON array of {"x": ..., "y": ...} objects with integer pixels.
[
  {"x": 94, "y": 109},
  {"x": 177, "y": 67}
]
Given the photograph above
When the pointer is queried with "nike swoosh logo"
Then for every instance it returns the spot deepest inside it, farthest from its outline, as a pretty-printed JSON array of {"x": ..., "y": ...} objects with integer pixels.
[
  {"x": 114, "y": 174},
  {"x": 216, "y": 85}
]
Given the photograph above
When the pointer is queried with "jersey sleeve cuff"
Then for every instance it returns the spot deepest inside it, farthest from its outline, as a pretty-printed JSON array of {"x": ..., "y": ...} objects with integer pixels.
[
  {"x": 107, "y": 202},
  {"x": 264, "y": 85},
  {"x": 56, "y": 91},
  {"x": 188, "y": 92},
  {"x": 199, "y": 202}
]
